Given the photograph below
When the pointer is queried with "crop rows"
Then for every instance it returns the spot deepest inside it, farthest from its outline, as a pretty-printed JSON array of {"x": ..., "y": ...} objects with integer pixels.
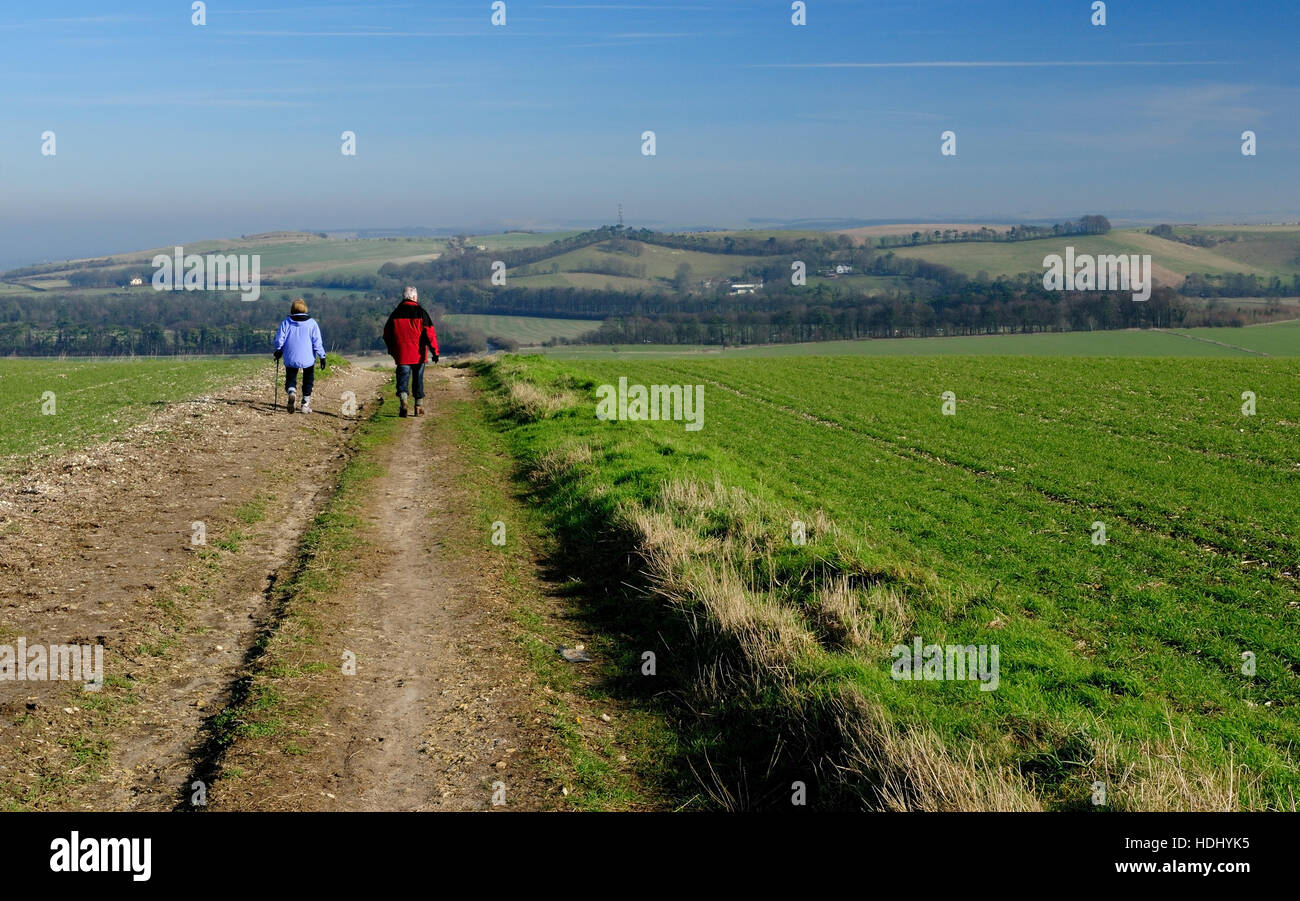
[{"x": 1131, "y": 641}]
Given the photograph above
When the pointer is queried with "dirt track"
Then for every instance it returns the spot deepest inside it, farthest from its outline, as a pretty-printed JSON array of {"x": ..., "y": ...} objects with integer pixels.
[
  {"x": 439, "y": 708},
  {"x": 97, "y": 548}
]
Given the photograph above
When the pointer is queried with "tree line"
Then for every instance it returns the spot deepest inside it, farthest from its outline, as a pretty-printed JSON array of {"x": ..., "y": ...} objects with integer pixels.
[
  {"x": 992, "y": 312},
  {"x": 1085, "y": 225},
  {"x": 927, "y": 298},
  {"x": 198, "y": 322}
]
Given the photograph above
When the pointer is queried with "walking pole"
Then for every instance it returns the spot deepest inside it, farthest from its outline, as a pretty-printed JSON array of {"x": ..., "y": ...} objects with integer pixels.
[{"x": 276, "y": 406}]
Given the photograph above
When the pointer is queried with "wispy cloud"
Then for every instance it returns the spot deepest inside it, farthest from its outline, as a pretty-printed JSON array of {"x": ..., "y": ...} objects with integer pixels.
[
  {"x": 642, "y": 35},
  {"x": 859, "y": 115},
  {"x": 621, "y": 7},
  {"x": 361, "y": 34},
  {"x": 989, "y": 64},
  {"x": 315, "y": 10},
  {"x": 1167, "y": 117},
  {"x": 1220, "y": 104},
  {"x": 229, "y": 99},
  {"x": 101, "y": 20}
]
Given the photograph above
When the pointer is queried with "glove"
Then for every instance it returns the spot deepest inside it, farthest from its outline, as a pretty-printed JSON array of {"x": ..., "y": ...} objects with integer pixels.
[
  {"x": 435, "y": 359},
  {"x": 278, "y": 354},
  {"x": 323, "y": 364}
]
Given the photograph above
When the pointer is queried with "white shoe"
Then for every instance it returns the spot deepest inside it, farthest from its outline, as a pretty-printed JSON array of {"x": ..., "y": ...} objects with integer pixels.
[
  {"x": 293, "y": 396},
  {"x": 306, "y": 404}
]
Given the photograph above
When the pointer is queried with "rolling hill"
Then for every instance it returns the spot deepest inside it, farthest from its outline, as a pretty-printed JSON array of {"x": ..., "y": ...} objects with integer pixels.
[{"x": 1265, "y": 251}]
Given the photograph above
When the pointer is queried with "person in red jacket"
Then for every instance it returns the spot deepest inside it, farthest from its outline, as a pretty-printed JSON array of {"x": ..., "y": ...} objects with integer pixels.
[{"x": 408, "y": 333}]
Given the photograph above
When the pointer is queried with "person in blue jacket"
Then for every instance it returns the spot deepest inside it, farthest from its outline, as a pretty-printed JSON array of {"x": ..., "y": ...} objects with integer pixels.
[{"x": 298, "y": 340}]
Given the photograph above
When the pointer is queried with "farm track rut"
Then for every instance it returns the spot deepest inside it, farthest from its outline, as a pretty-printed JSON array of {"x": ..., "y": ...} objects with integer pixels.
[
  {"x": 439, "y": 714},
  {"x": 96, "y": 548},
  {"x": 99, "y": 548}
]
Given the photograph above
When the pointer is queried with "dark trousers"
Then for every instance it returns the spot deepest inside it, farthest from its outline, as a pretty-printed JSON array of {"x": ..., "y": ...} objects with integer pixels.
[
  {"x": 406, "y": 375},
  {"x": 308, "y": 379}
]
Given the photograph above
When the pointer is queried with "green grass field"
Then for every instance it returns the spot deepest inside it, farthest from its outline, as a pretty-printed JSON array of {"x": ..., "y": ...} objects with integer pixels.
[
  {"x": 1267, "y": 253},
  {"x": 1279, "y": 340},
  {"x": 16, "y": 288},
  {"x": 868, "y": 284},
  {"x": 518, "y": 240},
  {"x": 524, "y": 329},
  {"x": 591, "y": 281},
  {"x": 97, "y": 399},
  {"x": 659, "y": 262},
  {"x": 1120, "y": 662},
  {"x": 1255, "y": 248},
  {"x": 306, "y": 254},
  {"x": 338, "y": 253}
]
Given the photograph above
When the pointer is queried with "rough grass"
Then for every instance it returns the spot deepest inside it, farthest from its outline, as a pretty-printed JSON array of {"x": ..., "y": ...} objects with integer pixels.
[
  {"x": 964, "y": 529},
  {"x": 862, "y": 753}
]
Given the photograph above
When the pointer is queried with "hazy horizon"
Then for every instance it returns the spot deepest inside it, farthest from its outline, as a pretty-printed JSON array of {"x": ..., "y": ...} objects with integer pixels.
[{"x": 168, "y": 132}]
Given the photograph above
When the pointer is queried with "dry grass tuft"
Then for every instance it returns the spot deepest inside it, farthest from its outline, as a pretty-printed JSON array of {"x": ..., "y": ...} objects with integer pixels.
[
  {"x": 694, "y": 541},
  {"x": 529, "y": 403},
  {"x": 856, "y": 618},
  {"x": 912, "y": 769},
  {"x": 1160, "y": 776},
  {"x": 558, "y": 463}
]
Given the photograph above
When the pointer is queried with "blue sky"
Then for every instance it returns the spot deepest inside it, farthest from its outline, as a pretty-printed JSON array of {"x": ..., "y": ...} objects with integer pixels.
[{"x": 168, "y": 132}]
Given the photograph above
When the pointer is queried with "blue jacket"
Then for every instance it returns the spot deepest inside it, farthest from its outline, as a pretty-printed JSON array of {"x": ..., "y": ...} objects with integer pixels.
[{"x": 299, "y": 338}]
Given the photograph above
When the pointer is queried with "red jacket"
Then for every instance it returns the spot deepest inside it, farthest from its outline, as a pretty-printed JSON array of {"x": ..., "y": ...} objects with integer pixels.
[{"x": 408, "y": 332}]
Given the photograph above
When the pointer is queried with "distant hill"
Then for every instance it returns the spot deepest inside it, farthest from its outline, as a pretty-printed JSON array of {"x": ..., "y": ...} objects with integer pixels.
[
  {"x": 1216, "y": 258},
  {"x": 1264, "y": 251}
]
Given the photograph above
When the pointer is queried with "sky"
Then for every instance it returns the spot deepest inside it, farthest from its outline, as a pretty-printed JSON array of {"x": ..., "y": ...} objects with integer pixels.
[{"x": 167, "y": 132}]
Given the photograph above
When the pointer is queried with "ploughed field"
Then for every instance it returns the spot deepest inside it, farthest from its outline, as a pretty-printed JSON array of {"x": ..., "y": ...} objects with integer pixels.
[{"x": 1117, "y": 534}]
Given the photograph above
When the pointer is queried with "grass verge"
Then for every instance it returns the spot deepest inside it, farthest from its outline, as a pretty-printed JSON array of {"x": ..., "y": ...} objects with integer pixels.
[{"x": 614, "y": 744}]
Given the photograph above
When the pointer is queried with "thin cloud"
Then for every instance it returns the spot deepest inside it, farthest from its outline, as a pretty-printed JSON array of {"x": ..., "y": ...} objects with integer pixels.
[
  {"x": 987, "y": 64},
  {"x": 642, "y": 35},
  {"x": 342, "y": 7},
  {"x": 359, "y": 34},
  {"x": 100, "y": 20},
  {"x": 181, "y": 98},
  {"x": 860, "y": 115},
  {"x": 610, "y": 7}
]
